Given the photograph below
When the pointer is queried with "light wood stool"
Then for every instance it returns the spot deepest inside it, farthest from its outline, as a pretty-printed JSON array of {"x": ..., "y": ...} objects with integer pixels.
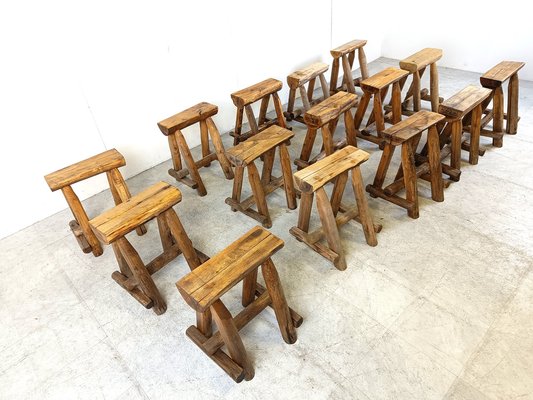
[
  {"x": 243, "y": 155},
  {"x": 112, "y": 226},
  {"x": 325, "y": 116},
  {"x": 109, "y": 161},
  {"x": 243, "y": 100},
  {"x": 463, "y": 112},
  {"x": 172, "y": 126},
  {"x": 407, "y": 134},
  {"x": 345, "y": 54},
  {"x": 203, "y": 287},
  {"x": 376, "y": 88},
  {"x": 311, "y": 180},
  {"x": 493, "y": 79},
  {"x": 297, "y": 81}
]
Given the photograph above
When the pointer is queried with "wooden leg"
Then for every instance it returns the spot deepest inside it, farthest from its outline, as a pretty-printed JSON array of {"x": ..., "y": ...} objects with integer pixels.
[
  {"x": 306, "y": 204},
  {"x": 191, "y": 164},
  {"x": 409, "y": 177},
  {"x": 362, "y": 63},
  {"x": 290, "y": 105},
  {"x": 361, "y": 110},
  {"x": 249, "y": 285},
  {"x": 338, "y": 191},
  {"x": 497, "y": 120},
  {"x": 334, "y": 76},
  {"x": 251, "y": 119},
  {"x": 238, "y": 126},
  {"x": 475, "y": 130},
  {"x": 279, "y": 303},
  {"x": 435, "y": 168},
  {"x": 512, "y": 105},
  {"x": 348, "y": 78},
  {"x": 259, "y": 194},
  {"x": 362, "y": 207},
  {"x": 237, "y": 185},
  {"x": 327, "y": 140},
  {"x": 230, "y": 336},
  {"x": 416, "y": 92},
  {"x": 167, "y": 240},
  {"x": 305, "y": 100},
  {"x": 396, "y": 103},
  {"x": 121, "y": 193},
  {"x": 307, "y": 147},
  {"x": 141, "y": 274},
  {"x": 311, "y": 89},
  {"x": 204, "y": 138},
  {"x": 174, "y": 152},
  {"x": 434, "y": 87},
  {"x": 330, "y": 227},
  {"x": 268, "y": 164},
  {"x": 181, "y": 238},
  {"x": 378, "y": 114},
  {"x": 324, "y": 86},
  {"x": 81, "y": 217},
  {"x": 351, "y": 134},
  {"x": 219, "y": 149},
  {"x": 383, "y": 166},
  {"x": 288, "y": 183},
  {"x": 457, "y": 135},
  {"x": 279, "y": 110},
  {"x": 263, "y": 110},
  {"x": 122, "y": 264}
]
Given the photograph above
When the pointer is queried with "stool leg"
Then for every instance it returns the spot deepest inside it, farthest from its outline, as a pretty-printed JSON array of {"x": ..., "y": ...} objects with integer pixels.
[
  {"x": 219, "y": 149},
  {"x": 362, "y": 207},
  {"x": 434, "y": 87},
  {"x": 167, "y": 241},
  {"x": 338, "y": 191},
  {"x": 279, "y": 303},
  {"x": 512, "y": 105},
  {"x": 237, "y": 185},
  {"x": 238, "y": 126},
  {"x": 457, "y": 134},
  {"x": 475, "y": 130},
  {"x": 307, "y": 147},
  {"x": 351, "y": 134},
  {"x": 230, "y": 336},
  {"x": 305, "y": 100},
  {"x": 263, "y": 110},
  {"x": 142, "y": 276},
  {"x": 361, "y": 109},
  {"x": 334, "y": 76},
  {"x": 288, "y": 183},
  {"x": 122, "y": 264},
  {"x": 279, "y": 110},
  {"x": 311, "y": 89},
  {"x": 362, "y": 63},
  {"x": 497, "y": 120},
  {"x": 268, "y": 164},
  {"x": 378, "y": 113},
  {"x": 259, "y": 194},
  {"x": 204, "y": 138},
  {"x": 306, "y": 204},
  {"x": 174, "y": 152},
  {"x": 409, "y": 178},
  {"x": 348, "y": 78},
  {"x": 248, "y": 288},
  {"x": 324, "y": 86},
  {"x": 396, "y": 103},
  {"x": 191, "y": 165},
  {"x": 327, "y": 139},
  {"x": 435, "y": 167},
  {"x": 383, "y": 166},
  {"x": 181, "y": 238},
  {"x": 290, "y": 105},
  {"x": 416, "y": 91},
  {"x": 330, "y": 227},
  {"x": 251, "y": 119}
]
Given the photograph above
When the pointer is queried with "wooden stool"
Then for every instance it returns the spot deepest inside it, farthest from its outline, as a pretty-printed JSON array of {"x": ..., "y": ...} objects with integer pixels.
[
  {"x": 243, "y": 155},
  {"x": 416, "y": 64},
  {"x": 346, "y": 55},
  {"x": 463, "y": 112},
  {"x": 297, "y": 81},
  {"x": 325, "y": 116},
  {"x": 243, "y": 100},
  {"x": 376, "y": 88},
  {"x": 171, "y": 127},
  {"x": 311, "y": 180},
  {"x": 109, "y": 161},
  {"x": 112, "y": 226},
  {"x": 203, "y": 287},
  {"x": 493, "y": 80},
  {"x": 407, "y": 133}
]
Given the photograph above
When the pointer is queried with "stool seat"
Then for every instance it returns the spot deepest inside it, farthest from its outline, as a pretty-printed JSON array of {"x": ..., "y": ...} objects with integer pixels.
[
  {"x": 103, "y": 162},
  {"x": 246, "y": 152},
  {"x": 302, "y": 76},
  {"x": 463, "y": 101},
  {"x": 383, "y": 79},
  {"x": 137, "y": 210},
  {"x": 207, "y": 283},
  {"x": 498, "y": 74},
  {"x": 323, "y": 171},
  {"x": 329, "y": 109},
  {"x": 347, "y": 47},
  {"x": 187, "y": 117},
  {"x": 412, "y": 126},
  {"x": 421, "y": 59},
  {"x": 255, "y": 92}
]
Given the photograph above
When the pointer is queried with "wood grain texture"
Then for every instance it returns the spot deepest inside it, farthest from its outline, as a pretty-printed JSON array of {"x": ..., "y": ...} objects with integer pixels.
[
  {"x": 498, "y": 74},
  {"x": 463, "y": 101},
  {"x": 187, "y": 117},
  {"x": 383, "y": 79},
  {"x": 347, "y": 48},
  {"x": 411, "y": 126},
  {"x": 304, "y": 75},
  {"x": 255, "y": 92},
  {"x": 421, "y": 59},
  {"x": 329, "y": 109}
]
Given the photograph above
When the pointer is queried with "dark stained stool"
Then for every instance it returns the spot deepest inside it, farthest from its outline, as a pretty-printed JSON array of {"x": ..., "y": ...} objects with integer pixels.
[
  {"x": 171, "y": 127},
  {"x": 203, "y": 288},
  {"x": 345, "y": 55}
]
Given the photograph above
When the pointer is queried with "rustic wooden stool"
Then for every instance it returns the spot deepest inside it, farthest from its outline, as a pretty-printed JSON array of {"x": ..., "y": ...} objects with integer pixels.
[
  {"x": 297, "y": 81},
  {"x": 203, "y": 287},
  {"x": 109, "y": 161},
  {"x": 112, "y": 226},
  {"x": 346, "y": 55},
  {"x": 244, "y": 155},
  {"x": 493, "y": 80},
  {"x": 171, "y": 127},
  {"x": 243, "y": 100},
  {"x": 376, "y": 88},
  {"x": 463, "y": 112},
  {"x": 407, "y": 133},
  {"x": 311, "y": 180},
  {"x": 416, "y": 64},
  {"x": 325, "y": 116}
]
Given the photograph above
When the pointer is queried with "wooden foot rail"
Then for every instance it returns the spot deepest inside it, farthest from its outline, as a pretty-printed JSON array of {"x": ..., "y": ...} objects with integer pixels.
[
  {"x": 345, "y": 55},
  {"x": 203, "y": 288}
]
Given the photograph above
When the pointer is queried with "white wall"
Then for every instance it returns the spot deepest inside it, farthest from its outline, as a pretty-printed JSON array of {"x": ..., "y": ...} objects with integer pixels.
[{"x": 474, "y": 35}]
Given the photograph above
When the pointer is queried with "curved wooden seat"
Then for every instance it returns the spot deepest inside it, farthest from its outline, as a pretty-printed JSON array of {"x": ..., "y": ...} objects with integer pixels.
[
  {"x": 383, "y": 79},
  {"x": 187, "y": 117},
  {"x": 464, "y": 101},
  {"x": 323, "y": 171},
  {"x": 501, "y": 72},
  {"x": 410, "y": 127},
  {"x": 255, "y": 92},
  {"x": 421, "y": 59},
  {"x": 304, "y": 75},
  {"x": 103, "y": 162},
  {"x": 347, "y": 48},
  {"x": 329, "y": 109}
]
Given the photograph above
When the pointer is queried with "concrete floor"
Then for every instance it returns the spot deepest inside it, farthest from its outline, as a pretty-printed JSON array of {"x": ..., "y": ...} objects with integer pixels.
[{"x": 440, "y": 309}]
